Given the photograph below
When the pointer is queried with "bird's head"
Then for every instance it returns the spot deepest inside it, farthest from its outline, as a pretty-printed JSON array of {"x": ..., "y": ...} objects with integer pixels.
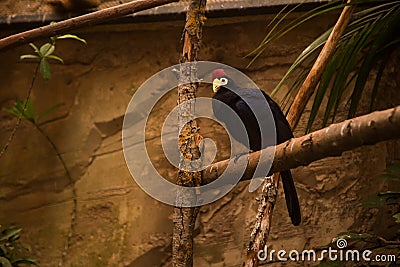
[{"x": 219, "y": 78}]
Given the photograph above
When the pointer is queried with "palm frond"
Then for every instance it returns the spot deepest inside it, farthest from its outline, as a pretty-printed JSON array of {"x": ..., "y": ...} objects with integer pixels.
[{"x": 366, "y": 44}]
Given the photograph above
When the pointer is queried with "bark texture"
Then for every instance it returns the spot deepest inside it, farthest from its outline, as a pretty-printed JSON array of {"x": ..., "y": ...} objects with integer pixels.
[
  {"x": 327, "y": 142},
  {"x": 184, "y": 218}
]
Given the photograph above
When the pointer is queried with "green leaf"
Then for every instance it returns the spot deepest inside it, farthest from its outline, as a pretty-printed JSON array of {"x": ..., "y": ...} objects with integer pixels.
[
  {"x": 301, "y": 75},
  {"x": 24, "y": 110},
  {"x": 56, "y": 58},
  {"x": 367, "y": 63},
  {"x": 392, "y": 172},
  {"x": 46, "y": 50},
  {"x": 390, "y": 197},
  {"x": 9, "y": 232},
  {"x": 350, "y": 55},
  {"x": 274, "y": 35},
  {"x": 397, "y": 217},
  {"x": 381, "y": 198},
  {"x": 45, "y": 69},
  {"x": 34, "y": 48},
  {"x": 71, "y": 36},
  {"x": 257, "y": 52},
  {"x": 24, "y": 261},
  {"x": 28, "y": 57},
  {"x": 326, "y": 80},
  {"x": 379, "y": 74},
  {"x": 5, "y": 262},
  {"x": 368, "y": 39},
  {"x": 48, "y": 111},
  {"x": 308, "y": 56},
  {"x": 29, "y": 112},
  {"x": 373, "y": 201},
  {"x": 12, "y": 111},
  {"x": 14, "y": 238}
]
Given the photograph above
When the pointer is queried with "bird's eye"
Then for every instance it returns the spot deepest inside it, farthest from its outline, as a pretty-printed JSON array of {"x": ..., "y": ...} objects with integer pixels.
[{"x": 224, "y": 81}]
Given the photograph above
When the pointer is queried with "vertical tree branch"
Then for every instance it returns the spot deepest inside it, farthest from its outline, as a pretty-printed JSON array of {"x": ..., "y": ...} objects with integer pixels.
[
  {"x": 260, "y": 233},
  {"x": 184, "y": 217},
  {"x": 313, "y": 77}
]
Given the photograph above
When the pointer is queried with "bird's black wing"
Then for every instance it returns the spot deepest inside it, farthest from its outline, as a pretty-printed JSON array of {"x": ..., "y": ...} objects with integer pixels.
[
  {"x": 250, "y": 122},
  {"x": 284, "y": 133},
  {"x": 283, "y": 129},
  {"x": 253, "y": 97}
]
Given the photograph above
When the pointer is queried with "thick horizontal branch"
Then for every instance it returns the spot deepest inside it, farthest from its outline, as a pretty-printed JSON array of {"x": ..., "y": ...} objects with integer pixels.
[
  {"x": 330, "y": 141},
  {"x": 84, "y": 20}
]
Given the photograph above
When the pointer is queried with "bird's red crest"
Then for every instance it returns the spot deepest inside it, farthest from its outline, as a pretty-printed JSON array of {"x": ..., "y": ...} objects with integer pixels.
[{"x": 218, "y": 73}]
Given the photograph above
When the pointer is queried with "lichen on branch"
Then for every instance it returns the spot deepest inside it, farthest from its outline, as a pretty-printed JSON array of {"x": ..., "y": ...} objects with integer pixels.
[{"x": 184, "y": 218}]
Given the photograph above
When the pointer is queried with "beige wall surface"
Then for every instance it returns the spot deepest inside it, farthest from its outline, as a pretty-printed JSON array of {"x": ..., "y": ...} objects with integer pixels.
[{"x": 117, "y": 224}]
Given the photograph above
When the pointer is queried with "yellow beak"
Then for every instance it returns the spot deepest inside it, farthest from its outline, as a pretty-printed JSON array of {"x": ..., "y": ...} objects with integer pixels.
[{"x": 217, "y": 83}]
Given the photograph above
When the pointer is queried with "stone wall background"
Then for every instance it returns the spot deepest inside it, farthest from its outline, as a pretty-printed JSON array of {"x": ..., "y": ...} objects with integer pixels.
[{"x": 117, "y": 224}]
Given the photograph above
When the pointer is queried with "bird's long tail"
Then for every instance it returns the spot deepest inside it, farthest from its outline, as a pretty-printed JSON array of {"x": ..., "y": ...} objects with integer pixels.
[{"x": 292, "y": 202}]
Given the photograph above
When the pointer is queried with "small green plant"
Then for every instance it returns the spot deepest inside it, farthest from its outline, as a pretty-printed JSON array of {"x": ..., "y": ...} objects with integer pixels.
[
  {"x": 45, "y": 52},
  {"x": 392, "y": 172},
  {"x": 26, "y": 110},
  {"x": 11, "y": 250},
  {"x": 379, "y": 199}
]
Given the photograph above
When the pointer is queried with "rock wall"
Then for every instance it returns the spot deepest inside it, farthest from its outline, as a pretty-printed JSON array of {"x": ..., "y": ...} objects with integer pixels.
[{"x": 117, "y": 224}]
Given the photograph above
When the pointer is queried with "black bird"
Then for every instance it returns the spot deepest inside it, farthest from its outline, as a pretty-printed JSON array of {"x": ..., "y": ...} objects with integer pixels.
[{"x": 254, "y": 98}]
